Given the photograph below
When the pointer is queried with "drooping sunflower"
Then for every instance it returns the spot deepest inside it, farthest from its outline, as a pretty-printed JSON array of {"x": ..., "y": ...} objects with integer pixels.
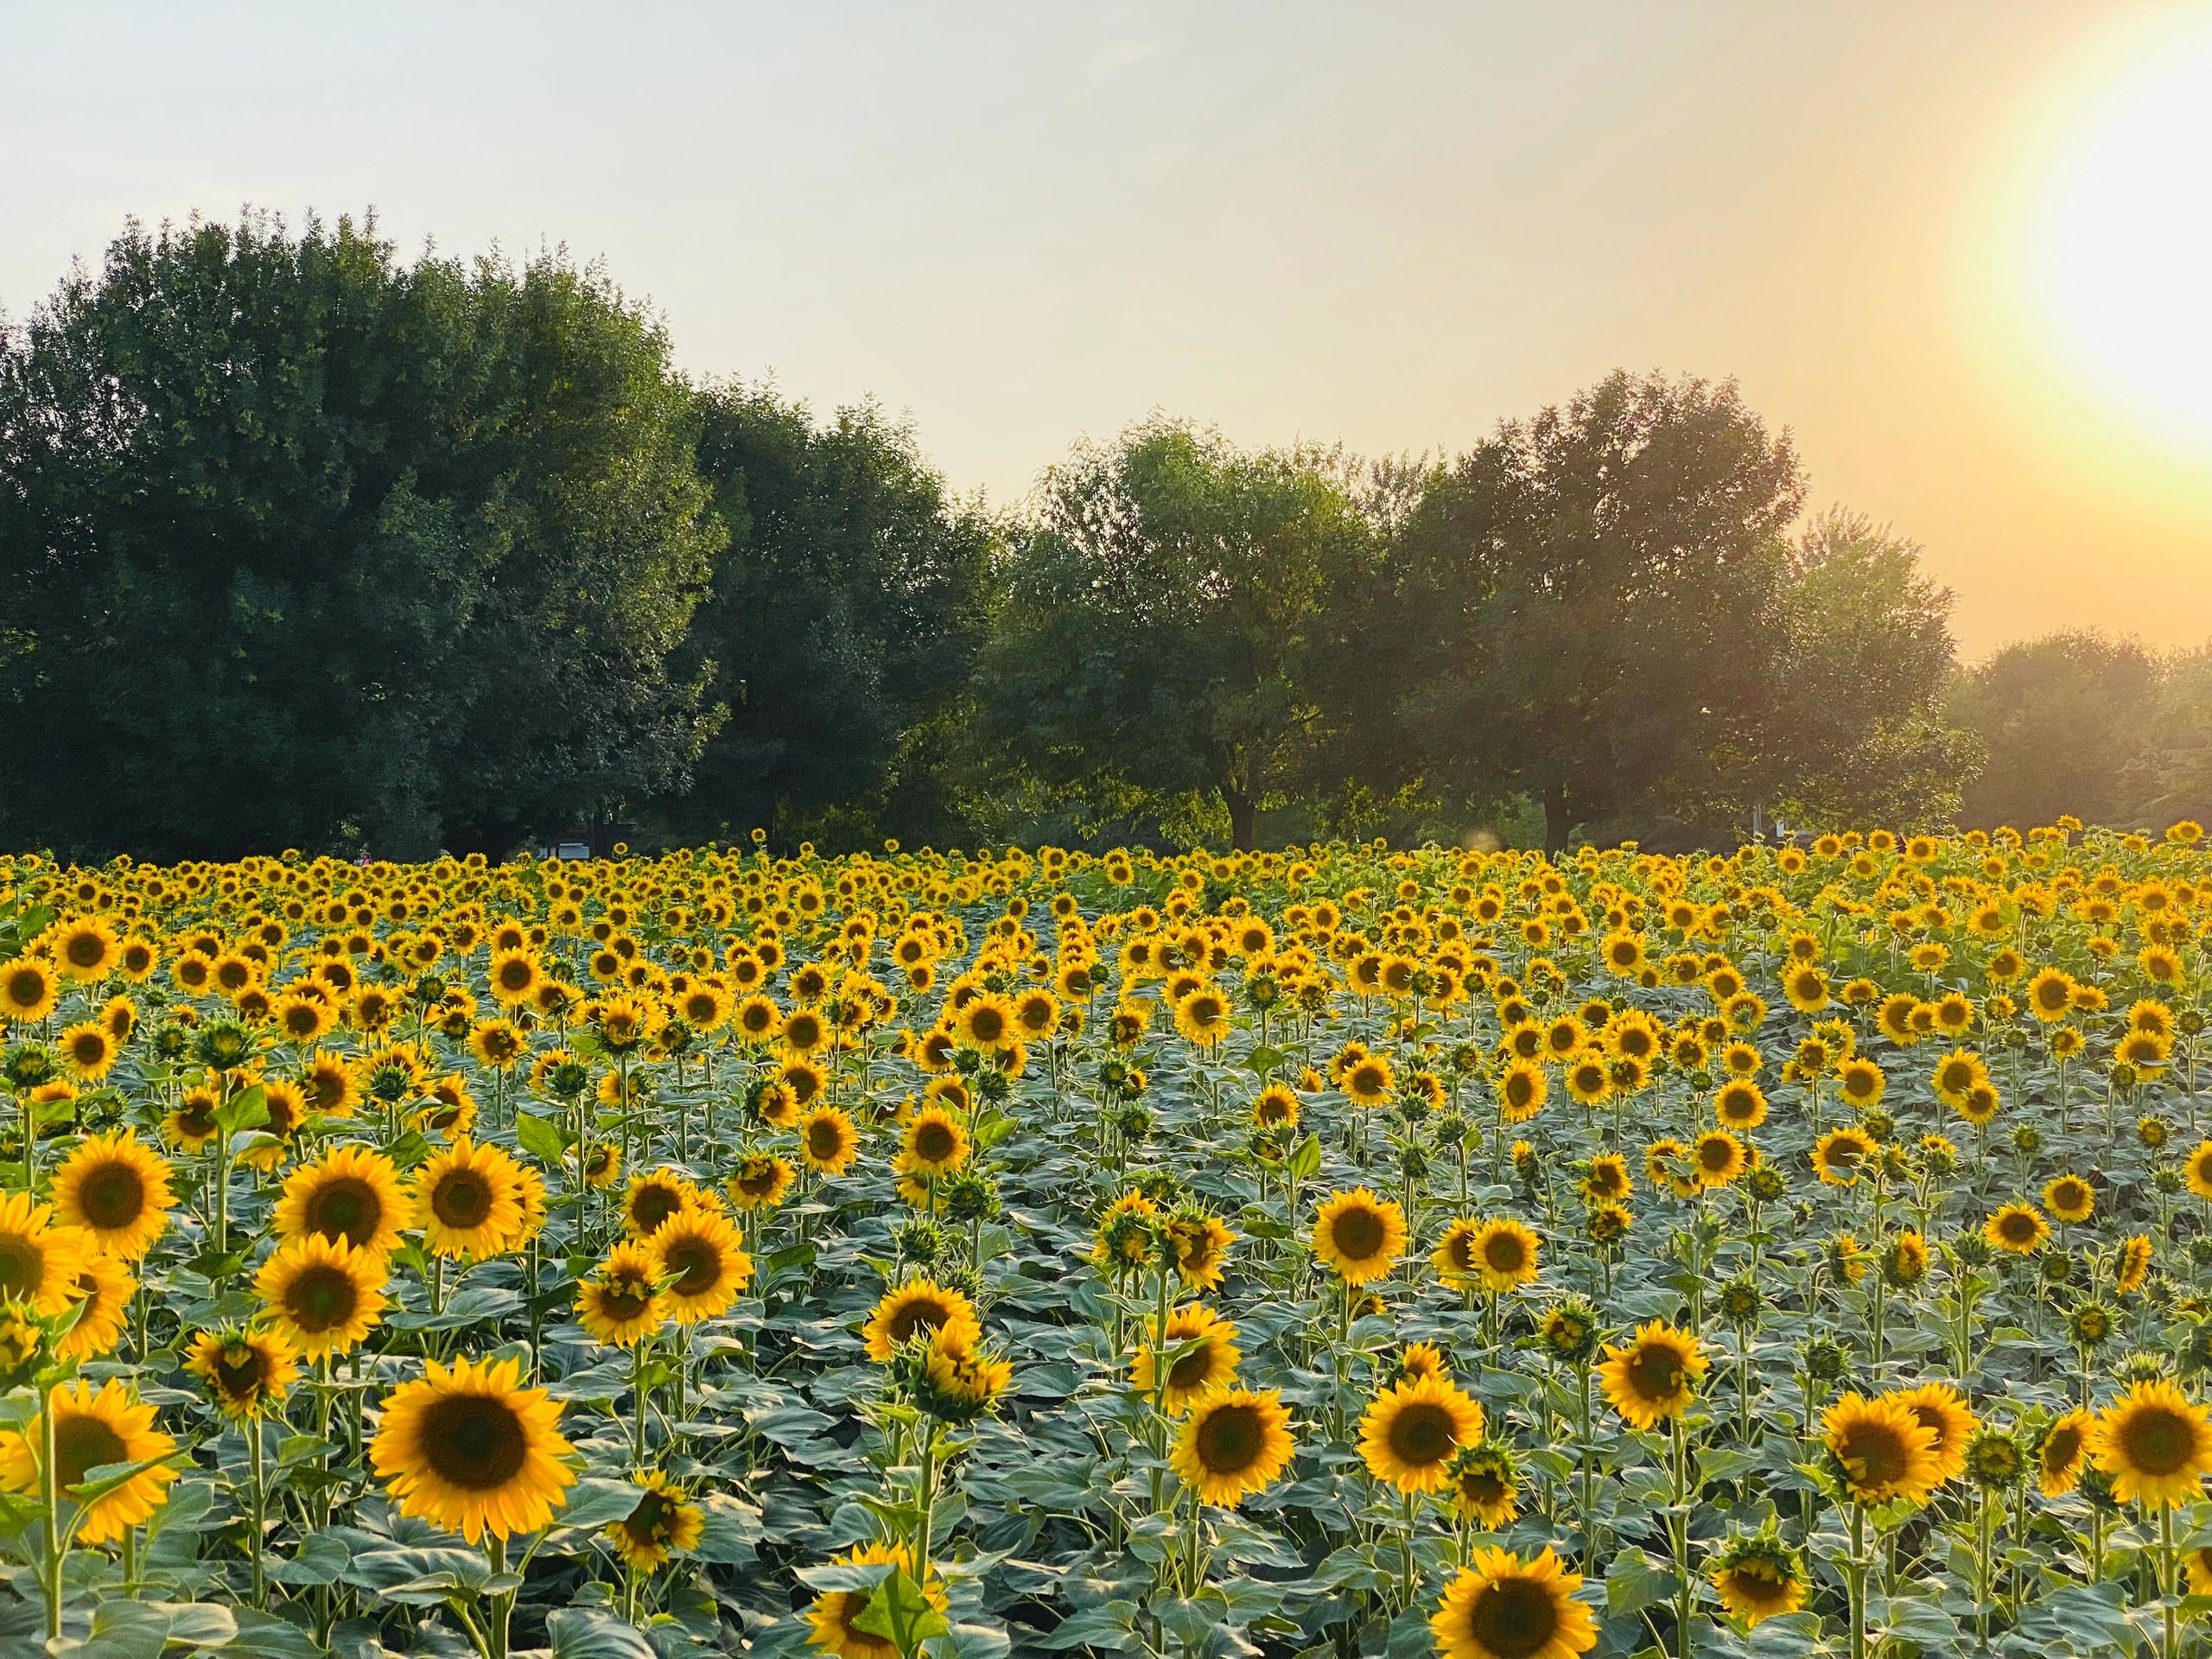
[
  {"x": 1206, "y": 1356},
  {"x": 2017, "y": 1228},
  {"x": 664, "y": 1523},
  {"x": 2155, "y": 1443},
  {"x": 2197, "y": 1170},
  {"x": 91, "y": 1431},
  {"x": 1359, "y": 1236},
  {"x": 836, "y": 1614},
  {"x": 2063, "y": 1451},
  {"x": 827, "y": 1139},
  {"x": 468, "y": 1200},
  {"x": 1654, "y": 1374},
  {"x": 916, "y": 1306},
  {"x": 325, "y": 1296},
  {"x": 105, "y": 1288},
  {"x": 118, "y": 1191},
  {"x": 1759, "y": 1577},
  {"x": 2133, "y": 1264},
  {"x": 469, "y": 1449},
  {"x": 620, "y": 1304},
  {"x": 40, "y": 1261},
  {"x": 1607, "y": 1179},
  {"x": 351, "y": 1196},
  {"x": 701, "y": 1248},
  {"x": 1502, "y": 1607},
  {"x": 1879, "y": 1449},
  {"x": 1453, "y": 1257},
  {"x": 1942, "y": 1408},
  {"x": 761, "y": 1182},
  {"x": 1234, "y": 1441},
  {"x": 1410, "y": 1432},
  {"x": 247, "y": 1371},
  {"x": 1201, "y": 1244}
]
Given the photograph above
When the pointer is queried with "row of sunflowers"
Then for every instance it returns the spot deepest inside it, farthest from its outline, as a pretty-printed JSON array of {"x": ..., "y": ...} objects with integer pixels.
[{"x": 1343, "y": 1251}]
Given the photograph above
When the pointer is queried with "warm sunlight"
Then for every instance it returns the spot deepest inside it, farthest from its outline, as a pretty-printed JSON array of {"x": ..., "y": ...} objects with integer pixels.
[{"x": 2124, "y": 243}]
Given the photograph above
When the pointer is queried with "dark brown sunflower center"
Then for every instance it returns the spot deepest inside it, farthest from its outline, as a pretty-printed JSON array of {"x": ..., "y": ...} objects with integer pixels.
[
  {"x": 26, "y": 988},
  {"x": 87, "y": 951},
  {"x": 823, "y": 1140},
  {"x": 1505, "y": 1252},
  {"x": 111, "y": 1195},
  {"x": 1655, "y": 1373},
  {"x": 1756, "y": 1586},
  {"x": 2158, "y": 1439},
  {"x": 473, "y": 1441},
  {"x": 1877, "y": 1451},
  {"x": 345, "y": 1207},
  {"x": 23, "y": 1265},
  {"x": 1230, "y": 1440},
  {"x": 697, "y": 1264},
  {"x": 923, "y": 1313},
  {"x": 935, "y": 1141},
  {"x": 1513, "y": 1617},
  {"x": 1357, "y": 1234},
  {"x": 240, "y": 1372},
  {"x": 624, "y": 1301},
  {"x": 82, "y": 1442},
  {"x": 1422, "y": 1434},
  {"x": 321, "y": 1299},
  {"x": 1193, "y": 1369},
  {"x": 652, "y": 1207},
  {"x": 462, "y": 1198},
  {"x": 989, "y": 1025}
]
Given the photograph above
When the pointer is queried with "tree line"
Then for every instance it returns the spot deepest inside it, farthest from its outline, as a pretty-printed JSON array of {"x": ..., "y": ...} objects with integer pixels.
[{"x": 303, "y": 544}]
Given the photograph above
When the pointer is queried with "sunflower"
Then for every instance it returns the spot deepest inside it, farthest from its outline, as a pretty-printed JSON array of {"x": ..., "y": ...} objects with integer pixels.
[
  {"x": 828, "y": 1140},
  {"x": 1589, "y": 1079},
  {"x": 2061, "y": 1453},
  {"x": 1419, "y": 1359},
  {"x": 1503, "y": 1253},
  {"x": 917, "y": 1305},
  {"x": 620, "y": 1304},
  {"x": 469, "y": 1449},
  {"x": 351, "y": 1196},
  {"x": 836, "y": 1614},
  {"x": 1369, "y": 1081},
  {"x": 2197, "y": 1169},
  {"x": 85, "y": 948},
  {"x": 118, "y": 1191},
  {"x": 935, "y": 1143},
  {"x": 1842, "y": 1155},
  {"x": 1955, "y": 1075},
  {"x": 1410, "y": 1432},
  {"x": 2017, "y": 1228},
  {"x": 2051, "y": 994},
  {"x": 1502, "y": 1607},
  {"x": 1653, "y": 1375},
  {"x": 2071, "y": 1198},
  {"x": 469, "y": 1201},
  {"x": 761, "y": 1180},
  {"x": 40, "y": 1261},
  {"x": 88, "y": 1050},
  {"x": 653, "y": 1199},
  {"x": 91, "y": 1430},
  {"x": 1201, "y": 1244},
  {"x": 664, "y": 1522},
  {"x": 985, "y": 1022},
  {"x": 1941, "y": 1408},
  {"x": 515, "y": 977},
  {"x": 1521, "y": 1090},
  {"x": 1862, "y": 1084},
  {"x": 1202, "y": 1016},
  {"x": 28, "y": 990},
  {"x": 326, "y": 1296},
  {"x": 2133, "y": 1264},
  {"x": 2155, "y": 1443},
  {"x": 710, "y": 1267},
  {"x": 1234, "y": 1441},
  {"x": 1275, "y": 1108},
  {"x": 1879, "y": 1449},
  {"x": 1606, "y": 1180},
  {"x": 105, "y": 1288},
  {"x": 1206, "y": 1358},
  {"x": 1760, "y": 1578},
  {"x": 1484, "y": 1482},
  {"x": 246, "y": 1370},
  {"x": 1717, "y": 1158},
  {"x": 1455, "y": 1255},
  {"x": 1359, "y": 1236},
  {"x": 1739, "y": 1103}
]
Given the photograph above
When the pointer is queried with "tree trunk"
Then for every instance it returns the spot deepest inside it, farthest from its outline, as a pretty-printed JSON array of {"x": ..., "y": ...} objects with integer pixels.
[
  {"x": 1243, "y": 818},
  {"x": 1557, "y": 824}
]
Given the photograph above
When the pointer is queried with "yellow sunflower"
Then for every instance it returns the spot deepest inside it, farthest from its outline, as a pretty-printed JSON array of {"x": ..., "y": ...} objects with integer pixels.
[
  {"x": 1760, "y": 1578},
  {"x": 2017, "y": 1228},
  {"x": 1205, "y": 1356},
  {"x": 1359, "y": 1236},
  {"x": 325, "y": 1296},
  {"x": 2155, "y": 1443},
  {"x": 935, "y": 1143},
  {"x": 350, "y": 1196},
  {"x": 828, "y": 1140},
  {"x": 701, "y": 1248},
  {"x": 917, "y": 1305},
  {"x": 620, "y": 1304},
  {"x": 664, "y": 1523},
  {"x": 468, "y": 1200},
  {"x": 118, "y": 1191},
  {"x": 1410, "y": 1432},
  {"x": 1500, "y": 1606},
  {"x": 89, "y": 1432},
  {"x": 1233, "y": 1441},
  {"x": 28, "y": 990},
  {"x": 2071, "y": 1198},
  {"x": 246, "y": 1370},
  {"x": 835, "y": 1618},
  {"x": 2063, "y": 1451},
  {"x": 1654, "y": 1374},
  {"x": 40, "y": 1263},
  {"x": 1941, "y": 1408},
  {"x": 470, "y": 1450},
  {"x": 1880, "y": 1449},
  {"x": 105, "y": 1288}
]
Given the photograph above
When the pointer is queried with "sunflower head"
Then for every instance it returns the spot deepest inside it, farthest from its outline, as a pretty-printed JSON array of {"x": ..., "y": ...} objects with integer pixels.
[
  {"x": 1359, "y": 1236},
  {"x": 1409, "y": 1435},
  {"x": 1502, "y": 1606},
  {"x": 246, "y": 1370},
  {"x": 1878, "y": 1450},
  {"x": 1759, "y": 1577},
  {"x": 1233, "y": 1441},
  {"x": 471, "y": 1450},
  {"x": 1653, "y": 1375}
]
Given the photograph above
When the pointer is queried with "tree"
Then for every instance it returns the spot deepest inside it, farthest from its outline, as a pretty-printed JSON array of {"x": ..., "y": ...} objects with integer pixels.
[
  {"x": 2065, "y": 721},
  {"x": 304, "y": 546},
  {"x": 1156, "y": 619},
  {"x": 847, "y": 611},
  {"x": 1587, "y": 607}
]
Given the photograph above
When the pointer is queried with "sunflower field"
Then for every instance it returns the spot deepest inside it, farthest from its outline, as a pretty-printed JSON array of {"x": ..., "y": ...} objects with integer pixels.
[{"x": 1342, "y": 1251}]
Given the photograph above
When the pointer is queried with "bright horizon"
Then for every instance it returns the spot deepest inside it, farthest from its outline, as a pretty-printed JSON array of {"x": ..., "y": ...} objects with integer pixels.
[{"x": 1951, "y": 246}]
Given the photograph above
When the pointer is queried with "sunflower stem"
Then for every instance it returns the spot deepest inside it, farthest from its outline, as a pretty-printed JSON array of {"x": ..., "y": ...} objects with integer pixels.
[{"x": 259, "y": 1524}]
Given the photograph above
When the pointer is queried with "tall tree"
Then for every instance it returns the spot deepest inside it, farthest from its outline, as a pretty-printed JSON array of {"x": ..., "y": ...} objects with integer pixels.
[
  {"x": 2065, "y": 721},
  {"x": 847, "y": 611},
  {"x": 1156, "y": 619},
  {"x": 1587, "y": 606},
  {"x": 302, "y": 546}
]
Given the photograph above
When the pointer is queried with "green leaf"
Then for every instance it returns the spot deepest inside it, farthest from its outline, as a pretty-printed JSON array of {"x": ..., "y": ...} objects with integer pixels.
[
  {"x": 900, "y": 1614},
  {"x": 246, "y": 1110},
  {"x": 1305, "y": 1162},
  {"x": 588, "y": 1633},
  {"x": 595, "y": 1503},
  {"x": 541, "y": 1138}
]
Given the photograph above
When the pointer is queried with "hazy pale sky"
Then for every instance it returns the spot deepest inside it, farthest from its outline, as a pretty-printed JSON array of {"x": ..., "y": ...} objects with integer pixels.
[{"x": 1961, "y": 249}]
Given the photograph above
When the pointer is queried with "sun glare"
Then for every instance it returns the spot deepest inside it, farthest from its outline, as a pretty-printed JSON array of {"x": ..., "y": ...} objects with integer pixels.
[{"x": 2123, "y": 243}]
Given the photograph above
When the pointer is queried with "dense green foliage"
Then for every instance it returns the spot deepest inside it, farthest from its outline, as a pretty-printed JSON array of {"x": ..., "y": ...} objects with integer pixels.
[{"x": 306, "y": 546}]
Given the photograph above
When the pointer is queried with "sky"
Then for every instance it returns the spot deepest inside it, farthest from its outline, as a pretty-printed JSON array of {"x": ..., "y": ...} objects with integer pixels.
[{"x": 1959, "y": 248}]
